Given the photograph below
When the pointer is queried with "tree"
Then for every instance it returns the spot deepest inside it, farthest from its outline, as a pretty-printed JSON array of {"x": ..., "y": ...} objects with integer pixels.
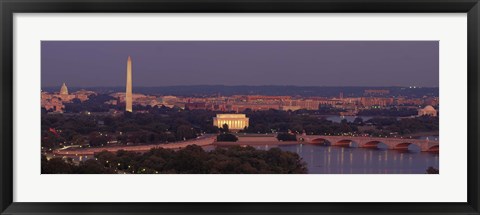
[
  {"x": 432, "y": 170},
  {"x": 227, "y": 137},
  {"x": 79, "y": 140},
  {"x": 96, "y": 139},
  {"x": 225, "y": 128},
  {"x": 358, "y": 121},
  {"x": 286, "y": 137},
  {"x": 93, "y": 167},
  {"x": 189, "y": 160},
  {"x": 57, "y": 166},
  {"x": 185, "y": 132}
]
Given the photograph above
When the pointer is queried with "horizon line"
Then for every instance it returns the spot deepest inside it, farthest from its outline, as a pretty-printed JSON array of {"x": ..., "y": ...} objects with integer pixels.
[{"x": 219, "y": 85}]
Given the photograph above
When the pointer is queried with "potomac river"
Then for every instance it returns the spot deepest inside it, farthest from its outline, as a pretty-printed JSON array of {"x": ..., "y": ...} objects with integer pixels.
[
  {"x": 344, "y": 160},
  {"x": 320, "y": 159}
]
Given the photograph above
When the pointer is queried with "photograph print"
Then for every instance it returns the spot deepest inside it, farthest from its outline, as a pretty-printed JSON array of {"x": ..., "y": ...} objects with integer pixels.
[{"x": 240, "y": 107}]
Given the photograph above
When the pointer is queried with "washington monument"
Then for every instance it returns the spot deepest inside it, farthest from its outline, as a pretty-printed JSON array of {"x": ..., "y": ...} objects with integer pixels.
[{"x": 128, "y": 93}]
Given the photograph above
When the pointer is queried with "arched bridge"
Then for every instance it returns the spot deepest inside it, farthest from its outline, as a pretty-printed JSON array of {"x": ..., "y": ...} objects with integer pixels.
[{"x": 371, "y": 142}]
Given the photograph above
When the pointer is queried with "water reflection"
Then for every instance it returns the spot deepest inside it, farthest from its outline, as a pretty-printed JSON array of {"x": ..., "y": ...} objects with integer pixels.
[
  {"x": 344, "y": 160},
  {"x": 341, "y": 160}
]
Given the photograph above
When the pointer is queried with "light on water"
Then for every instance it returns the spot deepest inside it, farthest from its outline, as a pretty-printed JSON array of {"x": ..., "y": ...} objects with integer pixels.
[
  {"x": 346, "y": 160},
  {"x": 322, "y": 159}
]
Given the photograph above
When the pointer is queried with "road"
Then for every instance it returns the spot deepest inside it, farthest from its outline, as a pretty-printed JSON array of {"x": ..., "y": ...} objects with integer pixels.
[{"x": 204, "y": 140}]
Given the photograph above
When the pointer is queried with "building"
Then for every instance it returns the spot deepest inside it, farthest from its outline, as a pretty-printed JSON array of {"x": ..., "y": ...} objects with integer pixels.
[
  {"x": 55, "y": 102},
  {"x": 52, "y": 103},
  {"x": 234, "y": 121},
  {"x": 371, "y": 102},
  {"x": 239, "y": 107},
  {"x": 128, "y": 93},
  {"x": 428, "y": 110},
  {"x": 64, "y": 89},
  {"x": 83, "y": 95},
  {"x": 376, "y": 92},
  {"x": 196, "y": 106},
  {"x": 290, "y": 108},
  {"x": 63, "y": 94},
  {"x": 251, "y": 98}
]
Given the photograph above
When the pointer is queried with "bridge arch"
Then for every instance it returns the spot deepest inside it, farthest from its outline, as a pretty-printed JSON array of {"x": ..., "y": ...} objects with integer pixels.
[
  {"x": 435, "y": 148},
  {"x": 407, "y": 146},
  {"x": 374, "y": 144},
  {"x": 321, "y": 141},
  {"x": 346, "y": 143}
]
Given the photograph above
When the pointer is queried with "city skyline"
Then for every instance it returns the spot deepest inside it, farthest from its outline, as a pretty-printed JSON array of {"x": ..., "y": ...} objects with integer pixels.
[
  {"x": 160, "y": 63},
  {"x": 242, "y": 85},
  {"x": 269, "y": 124}
]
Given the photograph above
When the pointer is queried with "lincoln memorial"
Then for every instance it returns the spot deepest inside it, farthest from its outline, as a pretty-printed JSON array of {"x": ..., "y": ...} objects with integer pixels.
[{"x": 234, "y": 121}]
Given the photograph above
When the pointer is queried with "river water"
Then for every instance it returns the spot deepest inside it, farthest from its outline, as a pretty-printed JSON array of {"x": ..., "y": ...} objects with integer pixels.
[{"x": 344, "y": 160}]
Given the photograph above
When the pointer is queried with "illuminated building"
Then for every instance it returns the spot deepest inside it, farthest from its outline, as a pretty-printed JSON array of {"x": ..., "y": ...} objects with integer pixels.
[
  {"x": 376, "y": 92},
  {"x": 266, "y": 98},
  {"x": 196, "y": 106},
  {"x": 63, "y": 89},
  {"x": 308, "y": 104},
  {"x": 64, "y": 96},
  {"x": 52, "y": 103},
  {"x": 239, "y": 107},
  {"x": 370, "y": 102},
  {"x": 234, "y": 121},
  {"x": 290, "y": 107},
  {"x": 128, "y": 93},
  {"x": 428, "y": 110},
  {"x": 83, "y": 95}
]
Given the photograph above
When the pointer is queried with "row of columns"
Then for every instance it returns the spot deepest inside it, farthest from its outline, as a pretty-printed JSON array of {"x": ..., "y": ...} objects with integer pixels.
[{"x": 233, "y": 124}]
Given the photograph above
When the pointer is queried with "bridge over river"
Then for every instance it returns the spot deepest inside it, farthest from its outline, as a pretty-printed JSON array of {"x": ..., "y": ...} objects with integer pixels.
[
  {"x": 209, "y": 139},
  {"x": 371, "y": 142}
]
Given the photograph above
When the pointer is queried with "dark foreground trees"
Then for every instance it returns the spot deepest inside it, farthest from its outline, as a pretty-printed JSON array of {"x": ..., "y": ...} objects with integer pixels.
[
  {"x": 227, "y": 137},
  {"x": 190, "y": 160},
  {"x": 286, "y": 137},
  {"x": 61, "y": 166},
  {"x": 432, "y": 170},
  {"x": 405, "y": 126}
]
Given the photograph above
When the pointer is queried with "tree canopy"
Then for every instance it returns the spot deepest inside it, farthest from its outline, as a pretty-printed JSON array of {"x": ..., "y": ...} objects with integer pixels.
[{"x": 190, "y": 160}]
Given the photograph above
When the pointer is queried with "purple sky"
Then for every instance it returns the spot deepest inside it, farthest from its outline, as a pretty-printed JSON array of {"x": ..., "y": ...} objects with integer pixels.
[{"x": 302, "y": 63}]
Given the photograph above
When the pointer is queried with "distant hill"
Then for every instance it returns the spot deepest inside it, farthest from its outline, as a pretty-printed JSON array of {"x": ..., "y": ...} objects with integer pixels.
[{"x": 211, "y": 90}]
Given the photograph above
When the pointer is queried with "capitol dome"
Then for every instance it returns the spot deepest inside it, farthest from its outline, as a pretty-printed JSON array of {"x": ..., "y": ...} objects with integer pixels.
[{"x": 64, "y": 89}]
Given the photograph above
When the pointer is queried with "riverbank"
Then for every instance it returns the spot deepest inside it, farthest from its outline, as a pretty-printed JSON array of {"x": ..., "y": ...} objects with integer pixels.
[
  {"x": 425, "y": 134},
  {"x": 255, "y": 143},
  {"x": 204, "y": 141}
]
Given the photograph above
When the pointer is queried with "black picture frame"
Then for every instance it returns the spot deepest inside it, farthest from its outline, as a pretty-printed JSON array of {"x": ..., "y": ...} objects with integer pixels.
[{"x": 9, "y": 7}]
